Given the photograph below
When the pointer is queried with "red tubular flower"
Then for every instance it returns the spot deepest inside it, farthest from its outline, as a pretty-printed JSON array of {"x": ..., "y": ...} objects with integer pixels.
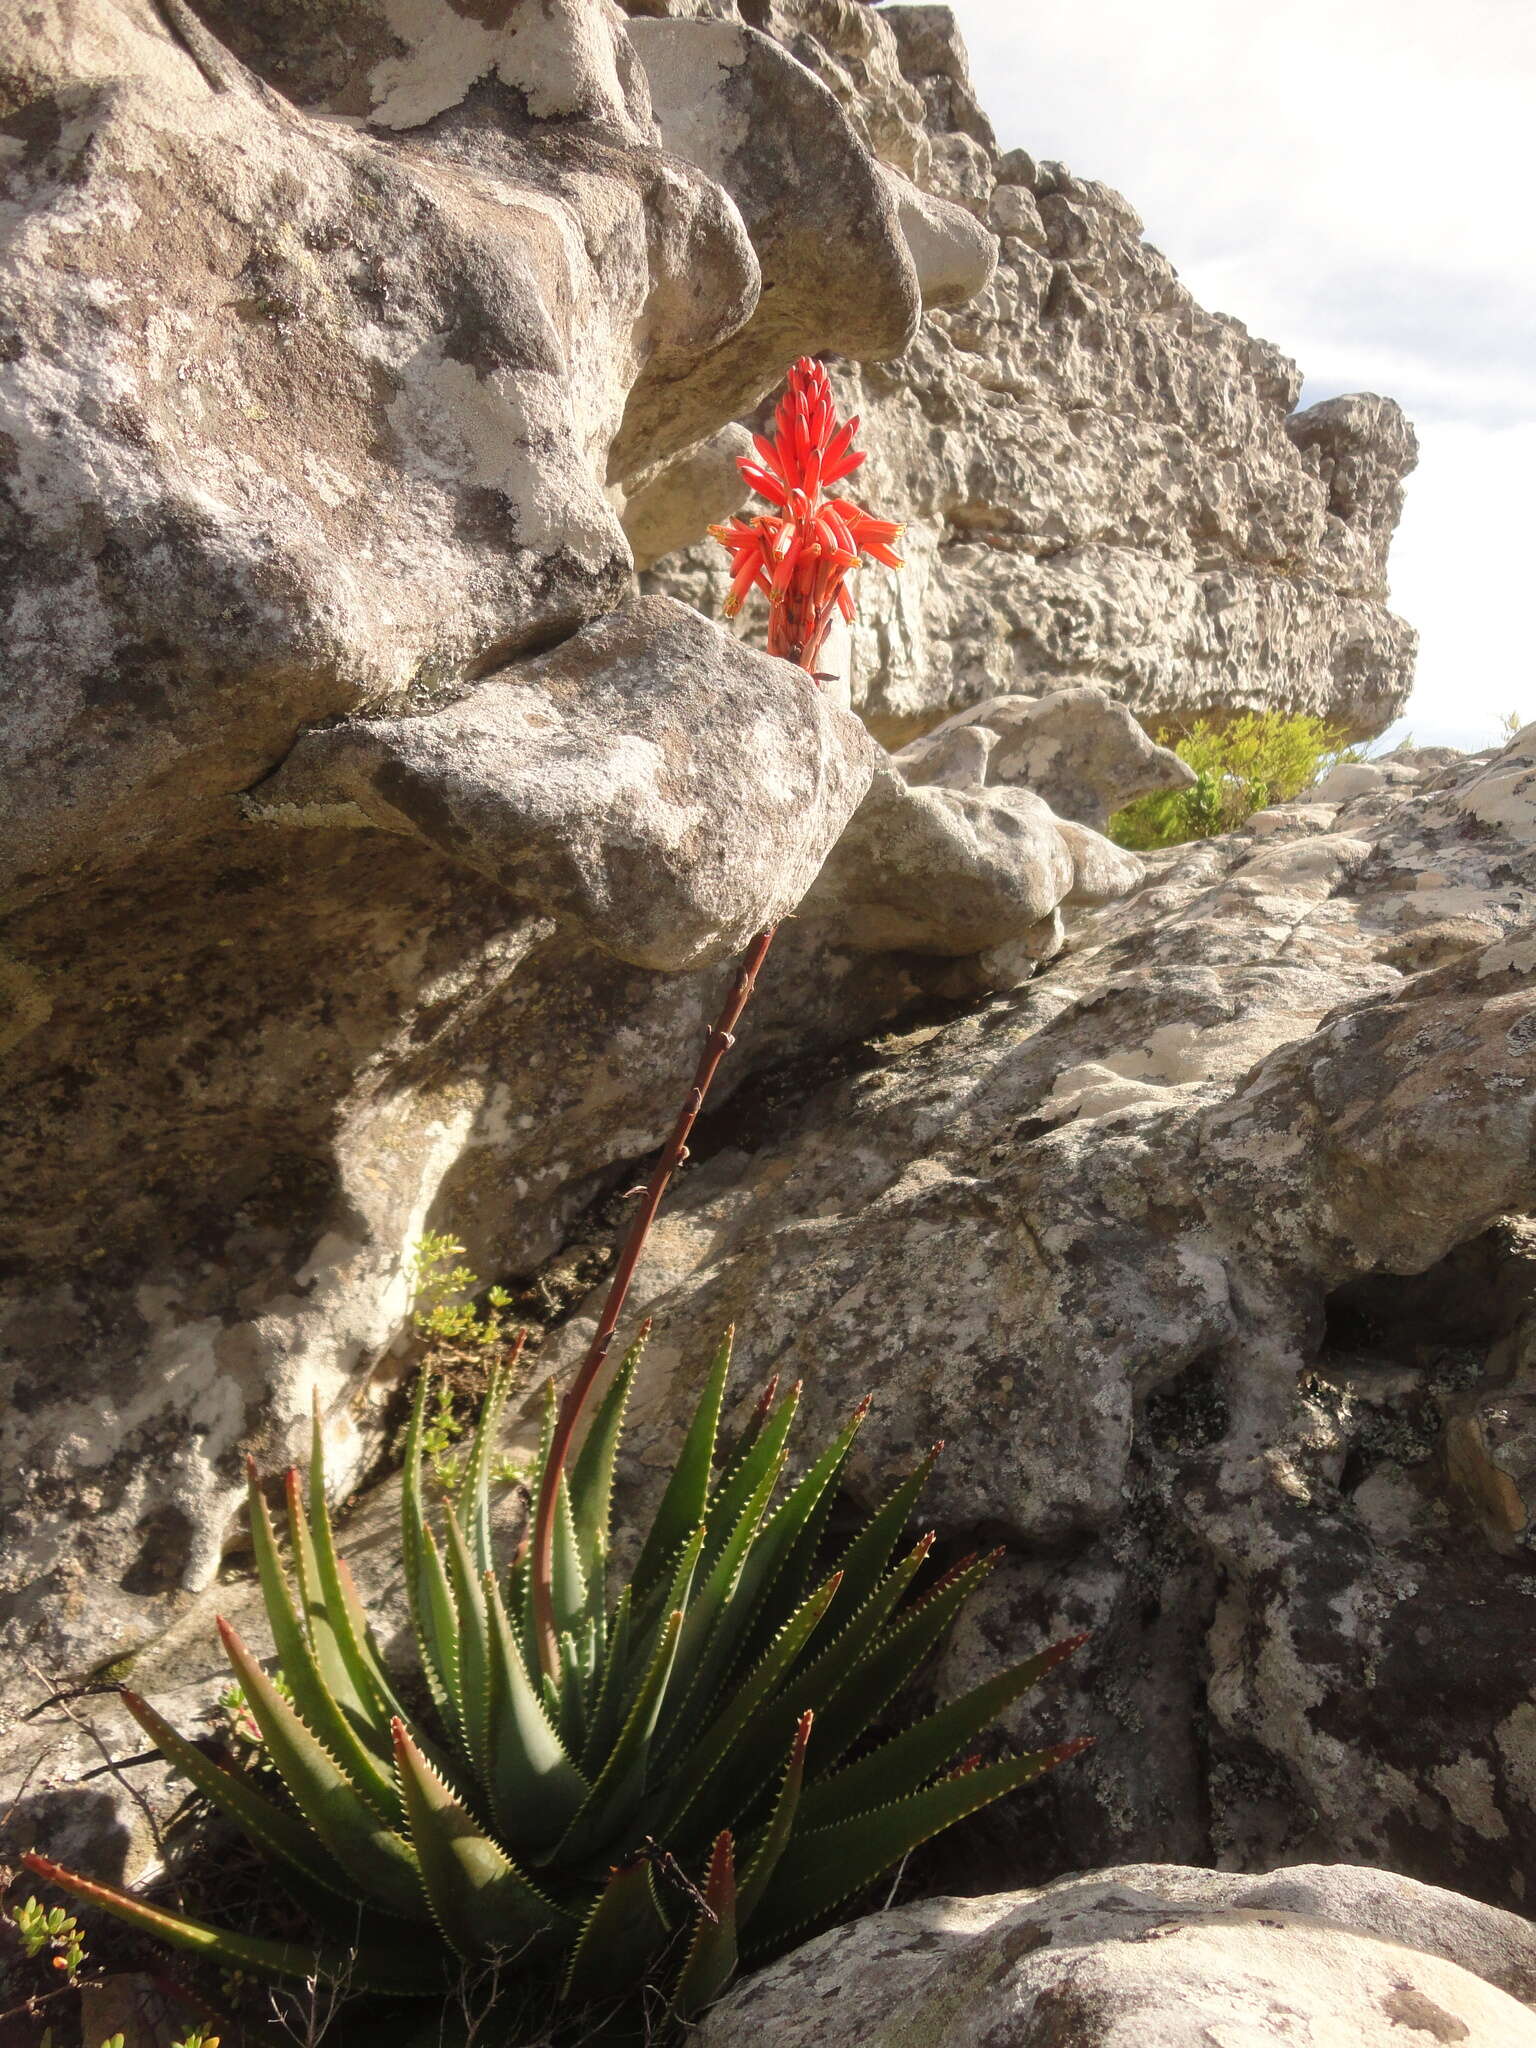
[{"x": 801, "y": 554}]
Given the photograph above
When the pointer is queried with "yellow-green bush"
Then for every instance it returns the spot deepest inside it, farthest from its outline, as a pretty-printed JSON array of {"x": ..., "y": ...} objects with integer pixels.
[{"x": 1262, "y": 758}]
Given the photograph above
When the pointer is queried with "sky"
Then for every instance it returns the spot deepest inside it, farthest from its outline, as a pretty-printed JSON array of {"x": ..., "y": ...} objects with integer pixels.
[{"x": 1355, "y": 180}]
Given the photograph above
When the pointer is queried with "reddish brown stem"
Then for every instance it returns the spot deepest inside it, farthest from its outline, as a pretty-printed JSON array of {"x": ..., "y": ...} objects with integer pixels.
[{"x": 718, "y": 1044}]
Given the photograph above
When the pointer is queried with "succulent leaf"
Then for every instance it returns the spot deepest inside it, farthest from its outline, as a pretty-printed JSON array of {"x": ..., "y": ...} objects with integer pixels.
[
  {"x": 405, "y": 1970},
  {"x": 781, "y": 1825},
  {"x": 824, "y": 1866},
  {"x": 296, "y": 1656},
  {"x": 687, "y": 1492},
  {"x": 479, "y": 1898},
  {"x": 864, "y": 1561},
  {"x": 611, "y": 1804},
  {"x": 591, "y": 1479},
  {"x": 473, "y": 1508},
  {"x": 742, "y": 1741},
  {"x": 336, "y": 1597},
  {"x": 536, "y": 1790},
  {"x": 278, "y": 1829},
  {"x": 918, "y": 1753},
  {"x": 873, "y": 1682},
  {"x": 711, "y": 1961},
  {"x": 365, "y": 1845},
  {"x": 623, "y": 1934}
]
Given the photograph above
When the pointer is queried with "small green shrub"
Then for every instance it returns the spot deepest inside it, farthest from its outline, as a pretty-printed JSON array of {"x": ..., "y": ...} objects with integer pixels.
[
  {"x": 692, "y": 1784},
  {"x": 1259, "y": 759},
  {"x": 461, "y": 1342}
]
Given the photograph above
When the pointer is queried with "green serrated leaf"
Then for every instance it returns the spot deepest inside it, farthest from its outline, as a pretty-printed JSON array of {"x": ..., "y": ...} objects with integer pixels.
[
  {"x": 623, "y": 1933},
  {"x": 473, "y": 1508},
  {"x": 873, "y": 1682},
  {"x": 743, "y": 1741},
  {"x": 687, "y": 1493},
  {"x": 441, "y": 1651},
  {"x": 536, "y": 1790},
  {"x": 860, "y": 1630},
  {"x": 613, "y": 1799},
  {"x": 362, "y": 1842},
  {"x": 822, "y": 1867},
  {"x": 299, "y": 1666},
  {"x": 338, "y": 1596},
  {"x": 765, "y": 1558},
  {"x": 277, "y": 1829},
  {"x": 474, "y": 1675},
  {"x": 781, "y": 1825},
  {"x": 608, "y": 1708},
  {"x": 869, "y": 1552},
  {"x": 591, "y": 1474},
  {"x": 918, "y": 1753},
  {"x": 711, "y": 1960},
  {"x": 700, "y": 1650},
  {"x": 480, "y": 1900},
  {"x": 404, "y": 1970},
  {"x": 764, "y": 1454},
  {"x": 425, "y": 1583}
]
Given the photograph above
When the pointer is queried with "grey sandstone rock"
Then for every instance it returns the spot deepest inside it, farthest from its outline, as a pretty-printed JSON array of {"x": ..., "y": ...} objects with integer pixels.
[
  {"x": 1104, "y": 482},
  {"x": 1155, "y": 1956},
  {"x": 1079, "y": 750},
  {"x": 373, "y": 854},
  {"x": 659, "y": 787},
  {"x": 373, "y": 857},
  {"x": 1135, "y": 1241}
]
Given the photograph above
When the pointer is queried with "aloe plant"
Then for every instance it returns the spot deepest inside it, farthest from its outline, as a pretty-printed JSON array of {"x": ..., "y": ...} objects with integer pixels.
[{"x": 694, "y": 1787}]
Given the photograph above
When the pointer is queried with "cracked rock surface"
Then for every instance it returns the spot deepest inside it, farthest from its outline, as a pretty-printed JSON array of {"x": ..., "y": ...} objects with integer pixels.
[
  {"x": 1207, "y": 1252},
  {"x": 371, "y": 854},
  {"x": 1154, "y": 1956},
  {"x": 1105, "y": 483}
]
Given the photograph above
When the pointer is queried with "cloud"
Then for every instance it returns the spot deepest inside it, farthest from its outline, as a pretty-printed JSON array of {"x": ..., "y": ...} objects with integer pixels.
[{"x": 1355, "y": 185}]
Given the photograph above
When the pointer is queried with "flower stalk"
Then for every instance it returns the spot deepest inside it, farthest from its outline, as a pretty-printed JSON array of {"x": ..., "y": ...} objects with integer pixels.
[{"x": 799, "y": 555}]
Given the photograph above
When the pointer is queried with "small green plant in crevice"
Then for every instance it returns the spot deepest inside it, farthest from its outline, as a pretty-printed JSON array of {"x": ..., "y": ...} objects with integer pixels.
[
  {"x": 692, "y": 1785},
  {"x": 464, "y": 1330},
  {"x": 1262, "y": 758}
]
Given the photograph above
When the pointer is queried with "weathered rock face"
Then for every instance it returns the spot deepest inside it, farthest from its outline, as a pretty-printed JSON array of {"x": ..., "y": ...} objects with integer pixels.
[
  {"x": 1105, "y": 483},
  {"x": 355, "y": 814},
  {"x": 1136, "y": 1241},
  {"x": 1157, "y": 1957}
]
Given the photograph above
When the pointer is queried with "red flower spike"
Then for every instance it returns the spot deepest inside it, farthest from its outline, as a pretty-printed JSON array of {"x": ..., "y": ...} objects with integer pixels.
[{"x": 802, "y": 553}]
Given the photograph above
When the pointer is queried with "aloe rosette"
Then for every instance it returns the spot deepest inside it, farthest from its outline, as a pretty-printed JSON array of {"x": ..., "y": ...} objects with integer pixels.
[{"x": 695, "y": 1787}]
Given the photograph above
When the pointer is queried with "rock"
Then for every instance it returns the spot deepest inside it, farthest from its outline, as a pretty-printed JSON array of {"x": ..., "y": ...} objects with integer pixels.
[
  {"x": 330, "y": 347},
  {"x": 957, "y": 871},
  {"x": 335, "y": 452},
  {"x": 1154, "y": 1956},
  {"x": 836, "y": 269},
  {"x": 1104, "y": 483},
  {"x": 1361, "y": 778},
  {"x": 1131, "y": 1240},
  {"x": 1078, "y": 749},
  {"x": 675, "y": 502},
  {"x": 1291, "y": 821},
  {"x": 657, "y": 786}
]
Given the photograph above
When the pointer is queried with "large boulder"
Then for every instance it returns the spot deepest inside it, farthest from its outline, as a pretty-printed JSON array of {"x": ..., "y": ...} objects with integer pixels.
[
  {"x": 1155, "y": 1956},
  {"x": 1104, "y": 482},
  {"x": 369, "y": 855},
  {"x": 1135, "y": 1241}
]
